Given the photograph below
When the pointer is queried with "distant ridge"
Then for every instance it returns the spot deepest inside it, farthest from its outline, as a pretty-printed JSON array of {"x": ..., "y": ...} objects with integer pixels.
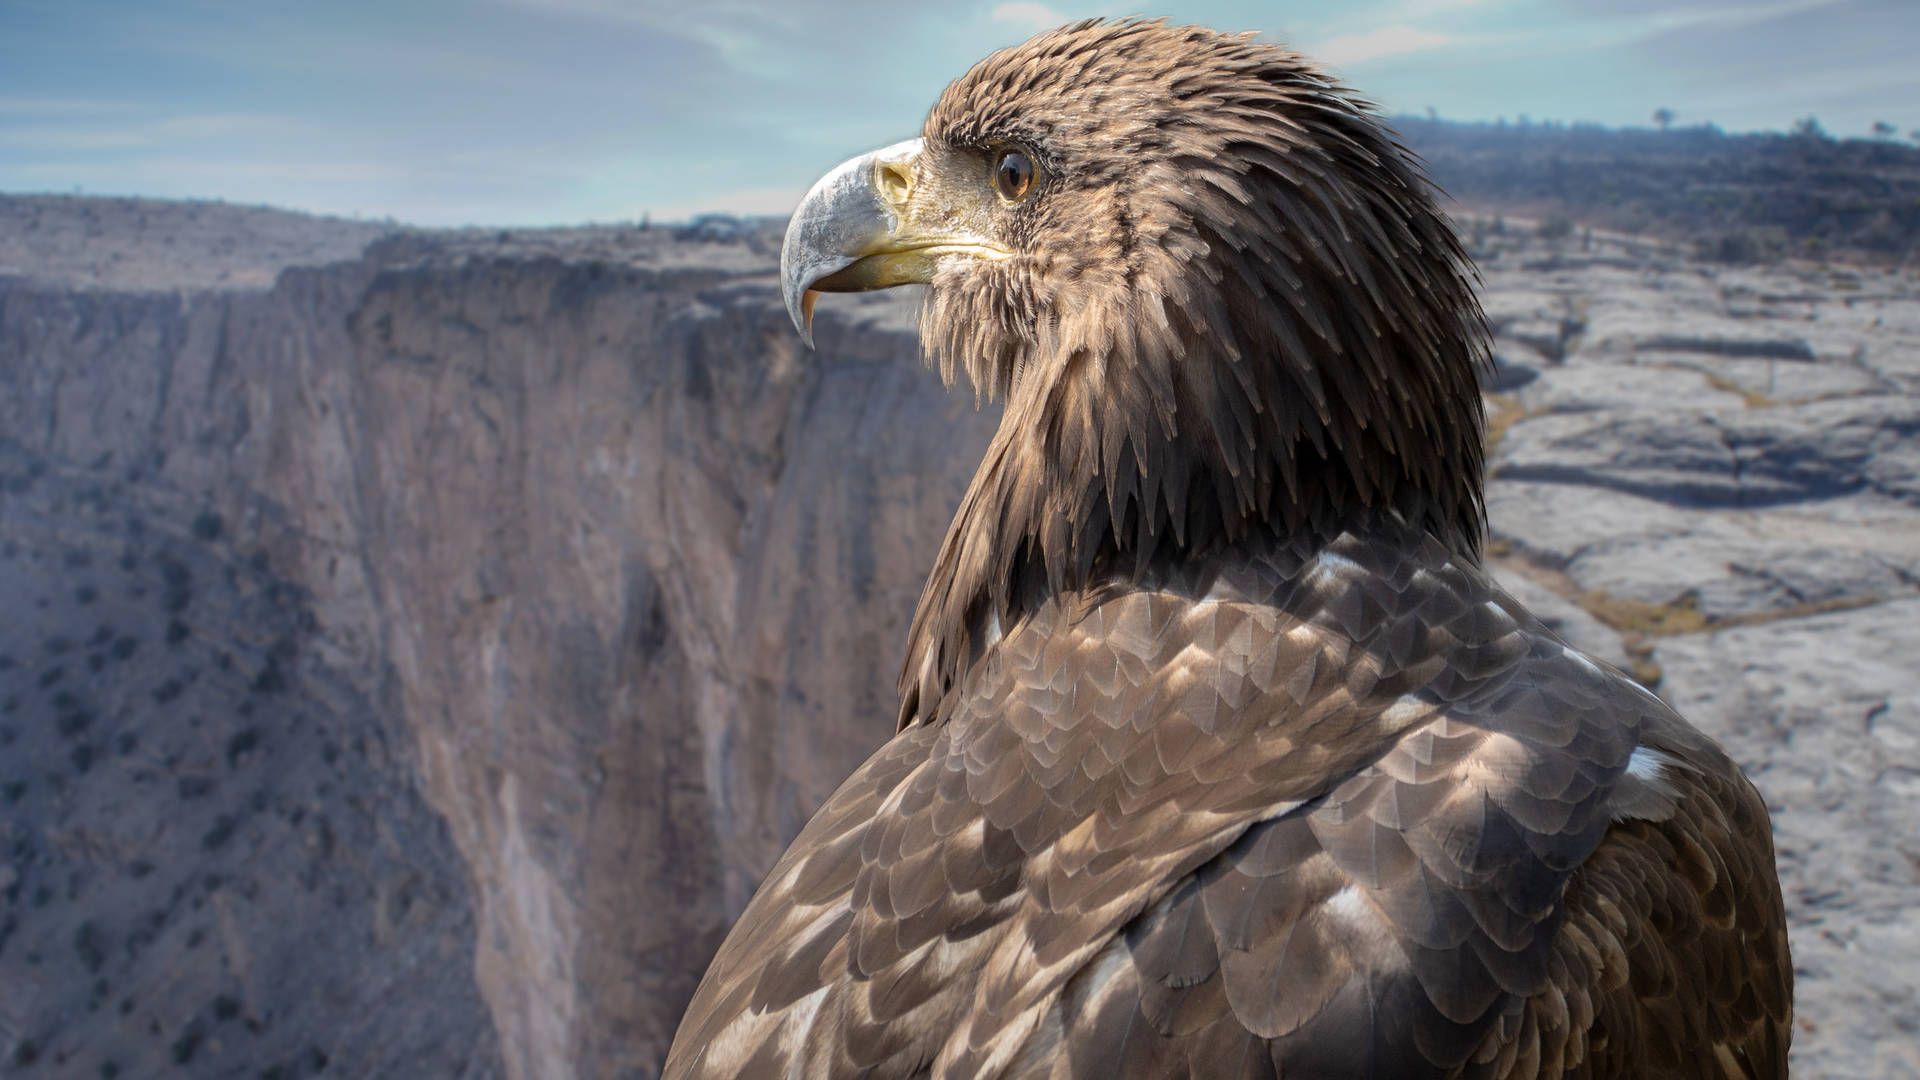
[
  {"x": 1734, "y": 197},
  {"x": 1740, "y": 198},
  {"x": 126, "y": 244}
]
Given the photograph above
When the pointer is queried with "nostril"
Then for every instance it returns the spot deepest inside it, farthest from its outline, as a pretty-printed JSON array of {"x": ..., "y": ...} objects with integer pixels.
[{"x": 895, "y": 181}]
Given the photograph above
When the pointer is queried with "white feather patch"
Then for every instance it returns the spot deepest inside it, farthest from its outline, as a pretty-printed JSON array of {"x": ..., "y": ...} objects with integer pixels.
[
  {"x": 1645, "y": 790},
  {"x": 1353, "y": 912},
  {"x": 1648, "y": 765}
]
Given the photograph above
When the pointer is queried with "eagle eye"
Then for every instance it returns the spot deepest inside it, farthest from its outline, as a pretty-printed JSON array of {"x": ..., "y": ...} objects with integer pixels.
[{"x": 1013, "y": 176}]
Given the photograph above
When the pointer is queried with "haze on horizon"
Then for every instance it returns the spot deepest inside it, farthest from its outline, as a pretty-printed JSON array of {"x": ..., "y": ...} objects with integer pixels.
[{"x": 545, "y": 112}]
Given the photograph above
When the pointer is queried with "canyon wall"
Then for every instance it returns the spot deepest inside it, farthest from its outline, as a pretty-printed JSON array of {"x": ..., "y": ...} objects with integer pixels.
[
  {"x": 415, "y": 651},
  {"x": 611, "y": 569}
]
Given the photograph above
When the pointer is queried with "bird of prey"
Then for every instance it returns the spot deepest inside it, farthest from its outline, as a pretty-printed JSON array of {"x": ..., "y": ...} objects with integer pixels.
[{"x": 1220, "y": 754}]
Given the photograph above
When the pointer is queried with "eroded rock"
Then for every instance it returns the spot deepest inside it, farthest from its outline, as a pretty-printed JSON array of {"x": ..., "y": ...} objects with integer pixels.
[
  {"x": 618, "y": 575},
  {"x": 1824, "y": 713}
]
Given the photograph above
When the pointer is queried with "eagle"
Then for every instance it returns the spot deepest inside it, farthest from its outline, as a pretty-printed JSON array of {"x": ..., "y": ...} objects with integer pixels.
[{"x": 1220, "y": 753}]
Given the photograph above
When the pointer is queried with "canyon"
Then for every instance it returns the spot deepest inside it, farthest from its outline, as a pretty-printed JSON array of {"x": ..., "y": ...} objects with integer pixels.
[{"x": 419, "y": 643}]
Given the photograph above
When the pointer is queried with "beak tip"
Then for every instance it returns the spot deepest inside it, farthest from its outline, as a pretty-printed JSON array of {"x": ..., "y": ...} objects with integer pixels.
[
  {"x": 800, "y": 310},
  {"x": 841, "y": 216}
]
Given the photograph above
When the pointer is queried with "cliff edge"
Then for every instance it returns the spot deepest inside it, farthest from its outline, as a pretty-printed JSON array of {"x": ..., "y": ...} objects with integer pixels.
[{"x": 422, "y": 642}]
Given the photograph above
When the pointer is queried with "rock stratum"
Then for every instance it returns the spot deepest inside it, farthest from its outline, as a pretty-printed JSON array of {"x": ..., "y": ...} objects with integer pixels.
[{"x": 420, "y": 643}]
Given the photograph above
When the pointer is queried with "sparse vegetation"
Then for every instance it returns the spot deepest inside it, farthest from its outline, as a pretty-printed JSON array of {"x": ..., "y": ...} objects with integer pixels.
[
  {"x": 1754, "y": 399},
  {"x": 1759, "y": 244},
  {"x": 1736, "y": 198}
]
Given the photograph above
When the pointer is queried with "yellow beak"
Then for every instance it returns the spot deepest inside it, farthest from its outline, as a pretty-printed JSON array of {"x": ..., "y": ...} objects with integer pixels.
[{"x": 857, "y": 230}]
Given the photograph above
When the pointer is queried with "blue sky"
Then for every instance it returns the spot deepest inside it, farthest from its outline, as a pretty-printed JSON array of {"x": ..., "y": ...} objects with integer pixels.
[{"x": 449, "y": 112}]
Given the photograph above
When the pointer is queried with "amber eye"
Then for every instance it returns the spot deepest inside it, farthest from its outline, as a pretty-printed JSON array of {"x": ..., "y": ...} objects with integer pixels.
[{"x": 1013, "y": 176}]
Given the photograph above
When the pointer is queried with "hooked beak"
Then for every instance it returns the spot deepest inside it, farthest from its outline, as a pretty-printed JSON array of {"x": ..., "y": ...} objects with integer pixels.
[{"x": 859, "y": 228}]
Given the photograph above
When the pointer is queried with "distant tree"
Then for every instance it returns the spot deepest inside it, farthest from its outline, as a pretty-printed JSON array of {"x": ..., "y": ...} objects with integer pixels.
[
  {"x": 1809, "y": 127},
  {"x": 1663, "y": 117},
  {"x": 1433, "y": 115},
  {"x": 1914, "y": 134},
  {"x": 1760, "y": 244},
  {"x": 1884, "y": 130}
]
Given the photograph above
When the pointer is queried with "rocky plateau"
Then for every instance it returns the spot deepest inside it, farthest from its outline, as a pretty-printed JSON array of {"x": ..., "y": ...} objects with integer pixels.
[{"x": 417, "y": 644}]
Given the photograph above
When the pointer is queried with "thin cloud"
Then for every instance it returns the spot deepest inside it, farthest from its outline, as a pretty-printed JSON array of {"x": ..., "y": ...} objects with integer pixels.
[
  {"x": 1390, "y": 41},
  {"x": 201, "y": 177},
  {"x": 1403, "y": 39},
  {"x": 1028, "y": 14},
  {"x": 171, "y": 129},
  {"x": 1810, "y": 90},
  {"x": 48, "y": 138},
  {"x": 1634, "y": 28},
  {"x": 67, "y": 107}
]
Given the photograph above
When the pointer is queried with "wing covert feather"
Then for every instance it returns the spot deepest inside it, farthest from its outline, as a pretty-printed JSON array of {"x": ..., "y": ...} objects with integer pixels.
[{"x": 1336, "y": 813}]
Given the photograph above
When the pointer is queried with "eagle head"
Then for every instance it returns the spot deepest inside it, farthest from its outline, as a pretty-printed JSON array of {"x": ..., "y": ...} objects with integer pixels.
[{"x": 1214, "y": 293}]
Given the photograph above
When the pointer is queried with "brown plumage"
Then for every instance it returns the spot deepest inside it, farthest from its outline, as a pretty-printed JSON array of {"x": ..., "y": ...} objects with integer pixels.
[{"x": 1220, "y": 754}]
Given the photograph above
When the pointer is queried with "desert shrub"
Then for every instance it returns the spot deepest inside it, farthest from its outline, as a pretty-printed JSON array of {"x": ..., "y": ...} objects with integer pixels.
[{"x": 1752, "y": 244}]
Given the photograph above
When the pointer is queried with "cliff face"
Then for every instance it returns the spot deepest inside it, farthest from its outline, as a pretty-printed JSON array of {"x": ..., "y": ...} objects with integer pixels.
[
  {"x": 607, "y": 562},
  {"x": 644, "y": 568},
  {"x": 213, "y": 859},
  {"x": 411, "y": 667}
]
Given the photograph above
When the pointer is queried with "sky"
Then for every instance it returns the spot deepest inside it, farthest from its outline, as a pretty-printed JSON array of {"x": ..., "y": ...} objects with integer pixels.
[{"x": 554, "y": 112}]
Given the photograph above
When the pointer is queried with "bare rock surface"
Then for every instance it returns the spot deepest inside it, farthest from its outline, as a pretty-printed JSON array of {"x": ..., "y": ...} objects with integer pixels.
[
  {"x": 1661, "y": 458},
  {"x": 1720, "y": 465},
  {"x": 1824, "y": 712},
  {"x": 605, "y": 570}
]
